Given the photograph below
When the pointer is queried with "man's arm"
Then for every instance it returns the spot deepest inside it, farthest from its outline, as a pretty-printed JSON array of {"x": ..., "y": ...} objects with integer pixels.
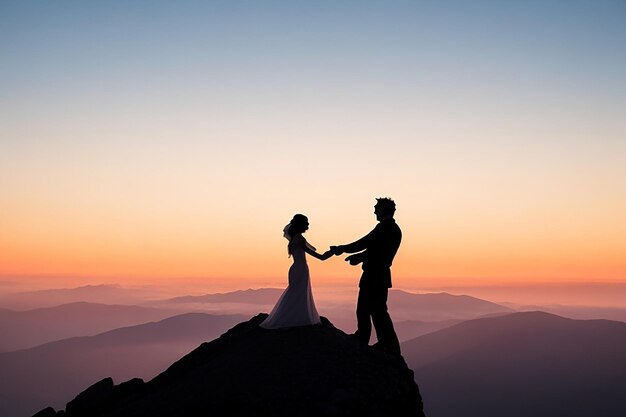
[{"x": 353, "y": 247}]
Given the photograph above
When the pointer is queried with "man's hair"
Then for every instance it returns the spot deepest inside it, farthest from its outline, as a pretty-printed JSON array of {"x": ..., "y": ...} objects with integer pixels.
[{"x": 386, "y": 204}]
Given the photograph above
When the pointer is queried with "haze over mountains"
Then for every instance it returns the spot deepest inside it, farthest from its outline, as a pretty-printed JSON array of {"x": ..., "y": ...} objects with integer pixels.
[
  {"x": 590, "y": 294},
  {"x": 24, "y": 329},
  {"x": 579, "y": 312},
  {"x": 522, "y": 364},
  {"x": 519, "y": 364},
  {"x": 249, "y": 296},
  {"x": 100, "y": 294},
  {"x": 440, "y": 306},
  {"x": 51, "y": 373},
  {"x": 404, "y": 305},
  {"x": 514, "y": 350}
]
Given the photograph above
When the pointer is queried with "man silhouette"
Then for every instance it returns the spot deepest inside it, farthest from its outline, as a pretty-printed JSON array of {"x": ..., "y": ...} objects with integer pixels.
[{"x": 375, "y": 251}]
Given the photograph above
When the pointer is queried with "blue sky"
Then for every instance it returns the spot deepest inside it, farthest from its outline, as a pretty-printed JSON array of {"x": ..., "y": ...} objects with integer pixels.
[{"x": 486, "y": 120}]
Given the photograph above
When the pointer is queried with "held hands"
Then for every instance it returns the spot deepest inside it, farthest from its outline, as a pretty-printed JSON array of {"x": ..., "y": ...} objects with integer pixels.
[
  {"x": 336, "y": 250},
  {"x": 355, "y": 259}
]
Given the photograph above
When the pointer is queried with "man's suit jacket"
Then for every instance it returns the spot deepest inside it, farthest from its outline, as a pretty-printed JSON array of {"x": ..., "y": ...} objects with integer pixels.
[{"x": 379, "y": 248}]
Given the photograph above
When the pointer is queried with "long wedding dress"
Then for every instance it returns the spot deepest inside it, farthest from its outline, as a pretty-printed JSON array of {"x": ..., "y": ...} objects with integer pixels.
[{"x": 295, "y": 307}]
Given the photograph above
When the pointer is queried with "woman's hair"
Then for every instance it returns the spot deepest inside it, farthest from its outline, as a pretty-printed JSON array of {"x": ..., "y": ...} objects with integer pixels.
[{"x": 298, "y": 226}]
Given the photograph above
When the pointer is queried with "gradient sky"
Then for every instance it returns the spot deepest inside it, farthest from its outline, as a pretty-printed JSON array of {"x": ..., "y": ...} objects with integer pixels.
[{"x": 144, "y": 140}]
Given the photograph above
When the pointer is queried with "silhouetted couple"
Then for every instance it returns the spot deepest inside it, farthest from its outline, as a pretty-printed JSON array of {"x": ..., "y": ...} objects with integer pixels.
[{"x": 375, "y": 251}]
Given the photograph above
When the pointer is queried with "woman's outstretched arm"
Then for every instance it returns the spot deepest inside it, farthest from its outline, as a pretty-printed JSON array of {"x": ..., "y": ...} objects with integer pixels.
[{"x": 321, "y": 257}]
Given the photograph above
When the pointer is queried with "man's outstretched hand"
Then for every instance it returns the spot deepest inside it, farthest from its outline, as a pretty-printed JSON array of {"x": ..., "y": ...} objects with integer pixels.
[{"x": 355, "y": 259}]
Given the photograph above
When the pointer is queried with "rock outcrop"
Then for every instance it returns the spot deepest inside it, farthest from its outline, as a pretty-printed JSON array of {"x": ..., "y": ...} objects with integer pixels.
[{"x": 250, "y": 371}]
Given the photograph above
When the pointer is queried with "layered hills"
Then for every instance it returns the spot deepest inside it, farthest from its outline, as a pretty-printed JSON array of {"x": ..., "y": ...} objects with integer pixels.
[
  {"x": 52, "y": 373},
  {"x": 523, "y": 364},
  {"x": 25, "y": 329}
]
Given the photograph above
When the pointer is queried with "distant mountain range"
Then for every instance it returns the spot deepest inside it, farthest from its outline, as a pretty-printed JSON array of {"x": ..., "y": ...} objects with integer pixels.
[
  {"x": 523, "y": 364},
  {"x": 101, "y": 294},
  {"x": 404, "y": 305},
  {"x": 249, "y": 296},
  {"x": 580, "y": 312},
  {"x": 52, "y": 373},
  {"x": 429, "y": 307},
  {"x": 24, "y": 329},
  {"x": 440, "y": 306},
  {"x": 415, "y": 314},
  {"x": 410, "y": 329}
]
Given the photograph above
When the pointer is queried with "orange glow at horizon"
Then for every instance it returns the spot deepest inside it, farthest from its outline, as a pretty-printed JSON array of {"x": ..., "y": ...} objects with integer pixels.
[
  {"x": 154, "y": 257},
  {"x": 490, "y": 242}
]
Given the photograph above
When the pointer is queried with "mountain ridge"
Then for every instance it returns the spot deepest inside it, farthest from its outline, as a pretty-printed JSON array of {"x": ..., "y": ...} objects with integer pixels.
[
  {"x": 51, "y": 373},
  {"x": 23, "y": 329},
  {"x": 304, "y": 371},
  {"x": 521, "y": 364},
  {"x": 248, "y": 296}
]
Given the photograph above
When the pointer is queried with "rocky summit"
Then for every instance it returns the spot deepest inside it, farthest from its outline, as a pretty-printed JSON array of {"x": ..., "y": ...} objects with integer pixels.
[{"x": 251, "y": 371}]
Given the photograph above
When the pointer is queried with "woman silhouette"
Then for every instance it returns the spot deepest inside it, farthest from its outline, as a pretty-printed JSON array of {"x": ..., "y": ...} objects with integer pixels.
[{"x": 296, "y": 307}]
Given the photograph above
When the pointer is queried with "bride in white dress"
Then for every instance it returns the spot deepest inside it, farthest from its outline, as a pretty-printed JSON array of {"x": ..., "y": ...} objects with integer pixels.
[{"x": 296, "y": 307}]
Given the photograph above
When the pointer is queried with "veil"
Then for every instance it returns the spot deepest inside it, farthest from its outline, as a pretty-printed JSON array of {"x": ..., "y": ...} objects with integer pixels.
[{"x": 287, "y": 236}]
